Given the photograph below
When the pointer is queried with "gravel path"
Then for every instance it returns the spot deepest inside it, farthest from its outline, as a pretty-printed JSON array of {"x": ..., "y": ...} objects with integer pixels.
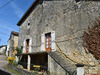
[{"x": 3, "y": 64}]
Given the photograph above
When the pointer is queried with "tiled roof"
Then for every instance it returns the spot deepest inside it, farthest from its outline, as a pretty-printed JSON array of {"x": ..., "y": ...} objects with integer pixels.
[{"x": 14, "y": 33}]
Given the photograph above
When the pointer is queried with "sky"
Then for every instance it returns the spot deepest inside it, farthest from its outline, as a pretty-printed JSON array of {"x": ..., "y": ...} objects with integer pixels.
[{"x": 11, "y": 12}]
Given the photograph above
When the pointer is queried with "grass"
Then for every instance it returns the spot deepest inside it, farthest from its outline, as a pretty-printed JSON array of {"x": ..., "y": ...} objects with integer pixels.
[{"x": 13, "y": 71}]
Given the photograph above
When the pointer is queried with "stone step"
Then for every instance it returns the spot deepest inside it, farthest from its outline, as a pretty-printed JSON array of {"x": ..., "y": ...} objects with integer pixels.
[{"x": 62, "y": 61}]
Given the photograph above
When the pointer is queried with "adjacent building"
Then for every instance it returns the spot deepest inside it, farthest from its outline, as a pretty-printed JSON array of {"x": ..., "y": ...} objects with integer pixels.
[
  {"x": 3, "y": 49},
  {"x": 51, "y": 34},
  {"x": 12, "y": 43}
]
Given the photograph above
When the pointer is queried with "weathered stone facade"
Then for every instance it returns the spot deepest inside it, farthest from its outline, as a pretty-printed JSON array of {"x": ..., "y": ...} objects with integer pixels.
[
  {"x": 69, "y": 19},
  {"x": 12, "y": 44},
  {"x": 3, "y": 49}
]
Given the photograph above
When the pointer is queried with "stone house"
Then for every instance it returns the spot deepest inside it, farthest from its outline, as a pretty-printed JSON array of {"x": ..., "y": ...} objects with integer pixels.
[
  {"x": 12, "y": 43},
  {"x": 51, "y": 33},
  {"x": 3, "y": 49}
]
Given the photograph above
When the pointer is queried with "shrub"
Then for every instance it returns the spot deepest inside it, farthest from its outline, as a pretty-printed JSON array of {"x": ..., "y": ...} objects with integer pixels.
[
  {"x": 11, "y": 60},
  {"x": 15, "y": 64},
  {"x": 19, "y": 50}
]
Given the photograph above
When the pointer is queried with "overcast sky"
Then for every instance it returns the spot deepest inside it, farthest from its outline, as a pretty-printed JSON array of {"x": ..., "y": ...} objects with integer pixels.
[{"x": 10, "y": 13}]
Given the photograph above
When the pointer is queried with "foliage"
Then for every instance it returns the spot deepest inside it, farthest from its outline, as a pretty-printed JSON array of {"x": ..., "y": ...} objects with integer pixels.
[
  {"x": 19, "y": 50},
  {"x": 92, "y": 39},
  {"x": 15, "y": 64},
  {"x": 13, "y": 71},
  {"x": 4, "y": 53},
  {"x": 11, "y": 60},
  {"x": 35, "y": 72}
]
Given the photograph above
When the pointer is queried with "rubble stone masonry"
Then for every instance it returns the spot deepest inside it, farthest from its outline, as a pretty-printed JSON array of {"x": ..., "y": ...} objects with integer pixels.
[{"x": 69, "y": 19}]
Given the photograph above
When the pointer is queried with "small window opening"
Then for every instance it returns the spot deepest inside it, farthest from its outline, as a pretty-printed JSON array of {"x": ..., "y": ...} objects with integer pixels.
[
  {"x": 28, "y": 24},
  {"x": 77, "y": 0}
]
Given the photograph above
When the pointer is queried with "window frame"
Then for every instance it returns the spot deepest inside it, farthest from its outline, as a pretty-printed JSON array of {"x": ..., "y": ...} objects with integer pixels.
[
  {"x": 53, "y": 45},
  {"x": 48, "y": 42}
]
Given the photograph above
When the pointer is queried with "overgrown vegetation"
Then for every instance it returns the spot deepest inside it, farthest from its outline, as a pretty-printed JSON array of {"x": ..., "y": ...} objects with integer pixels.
[
  {"x": 92, "y": 39},
  {"x": 11, "y": 60},
  {"x": 19, "y": 50},
  {"x": 13, "y": 71}
]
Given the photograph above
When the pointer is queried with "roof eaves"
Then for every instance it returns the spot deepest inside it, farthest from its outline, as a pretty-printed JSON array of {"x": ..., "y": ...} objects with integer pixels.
[
  {"x": 14, "y": 33},
  {"x": 27, "y": 12}
]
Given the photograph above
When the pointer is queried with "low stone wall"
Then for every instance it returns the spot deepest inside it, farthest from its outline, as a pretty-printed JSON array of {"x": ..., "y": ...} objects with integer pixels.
[{"x": 20, "y": 70}]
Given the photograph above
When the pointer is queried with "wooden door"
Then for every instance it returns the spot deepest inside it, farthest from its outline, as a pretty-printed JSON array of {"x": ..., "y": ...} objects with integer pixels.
[
  {"x": 27, "y": 46},
  {"x": 8, "y": 53},
  {"x": 95, "y": 74},
  {"x": 48, "y": 42}
]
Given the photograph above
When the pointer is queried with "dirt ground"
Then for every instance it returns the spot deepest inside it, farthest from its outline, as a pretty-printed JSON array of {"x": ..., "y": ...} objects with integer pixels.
[{"x": 3, "y": 64}]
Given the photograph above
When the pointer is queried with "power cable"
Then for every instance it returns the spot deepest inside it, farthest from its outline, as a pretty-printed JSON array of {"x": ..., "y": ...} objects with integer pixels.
[
  {"x": 4, "y": 34},
  {"x": 6, "y": 4}
]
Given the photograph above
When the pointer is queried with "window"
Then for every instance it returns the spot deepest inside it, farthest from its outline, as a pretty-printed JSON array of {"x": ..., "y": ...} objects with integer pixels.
[
  {"x": 27, "y": 46},
  {"x": 77, "y": 0},
  {"x": 48, "y": 42},
  {"x": 28, "y": 24},
  {"x": 8, "y": 53}
]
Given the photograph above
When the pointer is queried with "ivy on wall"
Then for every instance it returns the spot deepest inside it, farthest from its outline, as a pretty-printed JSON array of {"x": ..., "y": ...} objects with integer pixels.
[{"x": 92, "y": 39}]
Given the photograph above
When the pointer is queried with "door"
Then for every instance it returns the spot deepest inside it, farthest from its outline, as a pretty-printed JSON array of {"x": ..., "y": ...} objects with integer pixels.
[
  {"x": 48, "y": 42},
  {"x": 27, "y": 46},
  {"x": 8, "y": 53},
  {"x": 95, "y": 74}
]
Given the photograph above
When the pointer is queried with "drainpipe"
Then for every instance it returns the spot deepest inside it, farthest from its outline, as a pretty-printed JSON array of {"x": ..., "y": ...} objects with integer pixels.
[{"x": 80, "y": 69}]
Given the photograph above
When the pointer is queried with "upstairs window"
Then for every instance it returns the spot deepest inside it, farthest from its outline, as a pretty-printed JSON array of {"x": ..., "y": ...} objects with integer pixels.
[
  {"x": 77, "y": 0},
  {"x": 48, "y": 42},
  {"x": 28, "y": 24}
]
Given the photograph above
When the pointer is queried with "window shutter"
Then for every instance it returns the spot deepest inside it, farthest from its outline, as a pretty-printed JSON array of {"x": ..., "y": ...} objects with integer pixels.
[
  {"x": 53, "y": 40},
  {"x": 30, "y": 45},
  {"x": 42, "y": 42},
  {"x": 24, "y": 43}
]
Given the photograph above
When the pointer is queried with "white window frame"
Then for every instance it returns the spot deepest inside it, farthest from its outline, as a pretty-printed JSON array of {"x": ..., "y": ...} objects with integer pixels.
[
  {"x": 52, "y": 41},
  {"x": 24, "y": 46},
  {"x": 30, "y": 45}
]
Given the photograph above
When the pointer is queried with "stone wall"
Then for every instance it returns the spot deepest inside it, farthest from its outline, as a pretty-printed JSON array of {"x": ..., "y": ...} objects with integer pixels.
[
  {"x": 15, "y": 39},
  {"x": 11, "y": 45},
  {"x": 2, "y": 49},
  {"x": 54, "y": 68},
  {"x": 69, "y": 20},
  {"x": 20, "y": 70}
]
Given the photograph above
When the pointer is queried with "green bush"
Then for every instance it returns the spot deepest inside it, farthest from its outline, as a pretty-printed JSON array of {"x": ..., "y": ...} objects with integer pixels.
[
  {"x": 19, "y": 50},
  {"x": 15, "y": 64}
]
